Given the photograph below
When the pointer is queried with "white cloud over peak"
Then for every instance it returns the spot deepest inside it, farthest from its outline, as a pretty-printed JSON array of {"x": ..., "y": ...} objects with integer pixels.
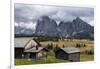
[{"x": 29, "y": 25}]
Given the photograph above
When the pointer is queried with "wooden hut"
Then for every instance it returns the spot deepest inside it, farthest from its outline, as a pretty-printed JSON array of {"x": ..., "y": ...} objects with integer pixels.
[
  {"x": 29, "y": 49},
  {"x": 69, "y": 53},
  {"x": 19, "y": 44},
  {"x": 36, "y": 53}
]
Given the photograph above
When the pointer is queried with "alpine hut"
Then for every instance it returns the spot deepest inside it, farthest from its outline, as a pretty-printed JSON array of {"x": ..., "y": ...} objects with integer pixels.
[
  {"x": 68, "y": 53},
  {"x": 29, "y": 49}
]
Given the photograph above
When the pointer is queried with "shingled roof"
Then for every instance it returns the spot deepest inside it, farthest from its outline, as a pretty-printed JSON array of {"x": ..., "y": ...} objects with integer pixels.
[
  {"x": 71, "y": 50},
  {"x": 34, "y": 49},
  {"x": 26, "y": 42},
  {"x": 21, "y": 42}
]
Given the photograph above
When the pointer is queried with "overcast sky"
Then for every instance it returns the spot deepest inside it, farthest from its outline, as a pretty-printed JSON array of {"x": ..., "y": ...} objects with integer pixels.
[{"x": 26, "y": 15}]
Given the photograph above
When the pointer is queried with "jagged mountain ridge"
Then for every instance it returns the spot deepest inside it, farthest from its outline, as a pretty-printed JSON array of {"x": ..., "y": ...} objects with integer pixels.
[
  {"x": 74, "y": 27},
  {"x": 48, "y": 27}
]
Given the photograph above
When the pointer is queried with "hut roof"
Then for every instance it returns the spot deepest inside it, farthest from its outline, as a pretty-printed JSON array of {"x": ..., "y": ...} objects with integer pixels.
[
  {"x": 26, "y": 43},
  {"x": 34, "y": 49},
  {"x": 20, "y": 42},
  {"x": 71, "y": 50}
]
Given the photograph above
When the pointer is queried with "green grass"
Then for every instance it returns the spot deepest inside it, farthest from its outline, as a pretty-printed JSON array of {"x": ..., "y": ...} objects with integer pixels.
[
  {"x": 51, "y": 59},
  {"x": 84, "y": 57},
  {"x": 26, "y": 62}
]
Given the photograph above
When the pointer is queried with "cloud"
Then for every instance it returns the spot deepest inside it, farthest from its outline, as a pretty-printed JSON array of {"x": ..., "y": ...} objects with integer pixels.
[
  {"x": 62, "y": 16},
  {"x": 29, "y": 25},
  {"x": 31, "y": 12},
  {"x": 22, "y": 13},
  {"x": 26, "y": 15},
  {"x": 89, "y": 20}
]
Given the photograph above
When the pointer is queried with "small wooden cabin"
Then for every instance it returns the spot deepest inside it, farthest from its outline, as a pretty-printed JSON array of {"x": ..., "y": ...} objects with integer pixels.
[
  {"x": 29, "y": 48},
  {"x": 68, "y": 53},
  {"x": 19, "y": 44},
  {"x": 36, "y": 53}
]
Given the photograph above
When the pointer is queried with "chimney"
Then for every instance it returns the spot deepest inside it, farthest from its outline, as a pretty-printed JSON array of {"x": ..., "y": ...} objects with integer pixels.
[{"x": 37, "y": 47}]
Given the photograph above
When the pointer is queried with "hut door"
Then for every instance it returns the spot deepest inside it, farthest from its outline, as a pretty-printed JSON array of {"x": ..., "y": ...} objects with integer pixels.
[{"x": 28, "y": 55}]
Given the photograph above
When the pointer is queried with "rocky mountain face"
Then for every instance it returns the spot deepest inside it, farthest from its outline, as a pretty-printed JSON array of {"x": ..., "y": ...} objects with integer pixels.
[
  {"x": 81, "y": 26},
  {"x": 65, "y": 29},
  {"x": 48, "y": 27},
  {"x": 74, "y": 27}
]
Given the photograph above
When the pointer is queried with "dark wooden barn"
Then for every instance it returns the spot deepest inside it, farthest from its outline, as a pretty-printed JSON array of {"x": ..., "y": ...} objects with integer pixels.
[
  {"x": 68, "y": 53},
  {"x": 29, "y": 48},
  {"x": 19, "y": 44}
]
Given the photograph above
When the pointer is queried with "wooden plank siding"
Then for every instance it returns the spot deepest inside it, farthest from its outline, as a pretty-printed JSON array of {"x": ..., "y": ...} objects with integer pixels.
[{"x": 61, "y": 54}]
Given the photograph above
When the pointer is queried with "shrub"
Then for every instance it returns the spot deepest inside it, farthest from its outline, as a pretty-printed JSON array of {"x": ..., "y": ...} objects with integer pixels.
[
  {"x": 84, "y": 45},
  {"x": 56, "y": 47},
  {"x": 80, "y": 45},
  {"x": 50, "y": 46},
  {"x": 89, "y": 52},
  {"x": 63, "y": 46}
]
